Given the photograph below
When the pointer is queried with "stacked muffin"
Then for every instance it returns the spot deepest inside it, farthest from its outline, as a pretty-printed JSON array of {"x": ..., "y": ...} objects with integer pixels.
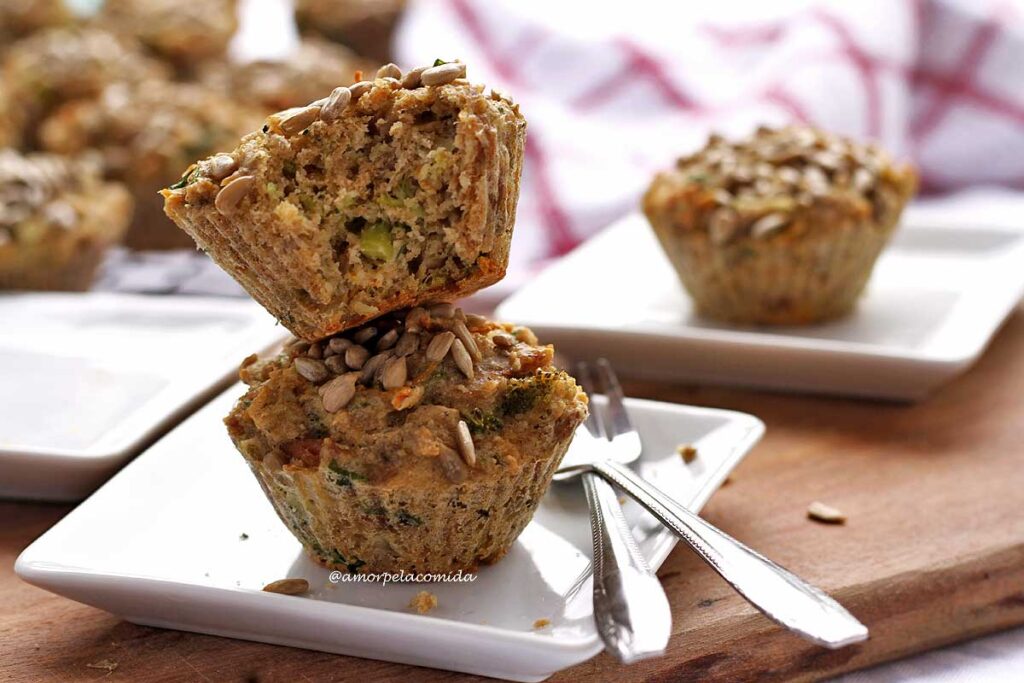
[{"x": 398, "y": 433}]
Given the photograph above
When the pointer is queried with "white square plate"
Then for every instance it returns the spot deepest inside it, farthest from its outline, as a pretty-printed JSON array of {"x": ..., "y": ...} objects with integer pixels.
[
  {"x": 937, "y": 296},
  {"x": 87, "y": 380},
  {"x": 161, "y": 544}
]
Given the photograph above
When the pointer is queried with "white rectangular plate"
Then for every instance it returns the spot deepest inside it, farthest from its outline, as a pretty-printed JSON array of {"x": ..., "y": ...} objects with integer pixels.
[
  {"x": 87, "y": 380},
  {"x": 161, "y": 544},
  {"x": 937, "y": 296}
]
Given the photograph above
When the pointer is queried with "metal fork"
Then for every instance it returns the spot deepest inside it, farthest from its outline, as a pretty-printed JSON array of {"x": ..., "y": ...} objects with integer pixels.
[
  {"x": 630, "y": 607},
  {"x": 779, "y": 594}
]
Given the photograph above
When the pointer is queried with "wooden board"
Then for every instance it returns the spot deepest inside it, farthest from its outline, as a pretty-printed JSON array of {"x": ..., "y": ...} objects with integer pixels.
[{"x": 933, "y": 551}]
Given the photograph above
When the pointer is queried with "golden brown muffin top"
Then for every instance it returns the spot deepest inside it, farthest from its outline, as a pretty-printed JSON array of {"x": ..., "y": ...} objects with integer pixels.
[
  {"x": 409, "y": 393},
  {"x": 760, "y": 185}
]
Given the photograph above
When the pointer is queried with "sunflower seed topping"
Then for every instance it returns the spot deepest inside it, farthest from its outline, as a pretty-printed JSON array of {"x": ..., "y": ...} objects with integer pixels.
[
  {"x": 373, "y": 366},
  {"x": 407, "y": 344},
  {"x": 339, "y": 344},
  {"x": 443, "y": 73},
  {"x": 315, "y": 350},
  {"x": 415, "y": 318},
  {"x": 463, "y": 361},
  {"x": 503, "y": 340},
  {"x": 464, "y": 440},
  {"x": 389, "y": 71},
  {"x": 364, "y": 335},
  {"x": 438, "y": 347},
  {"x": 356, "y": 356},
  {"x": 766, "y": 225},
  {"x": 359, "y": 89},
  {"x": 462, "y": 332},
  {"x": 442, "y": 310},
  {"x": 220, "y": 166},
  {"x": 294, "y": 121},
  {"x": 387, "y": 340},
  {"x": 311, "y": 369},
  {"x": 412, "y": 79},
  {"x": 336, "y": 364},
  {"x": 232, "y": 194},
  {"x": 395, "y": 373},
  {"x": 337, "y": 393},
  {"x": 336, "y": 103}
]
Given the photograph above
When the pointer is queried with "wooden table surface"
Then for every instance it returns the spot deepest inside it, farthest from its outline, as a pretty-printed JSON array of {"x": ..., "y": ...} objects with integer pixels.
[{"x": 933, "y": 551}]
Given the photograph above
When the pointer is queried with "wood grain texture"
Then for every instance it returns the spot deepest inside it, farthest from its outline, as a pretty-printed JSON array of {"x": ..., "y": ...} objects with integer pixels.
[{"x": 932, "y": 553}]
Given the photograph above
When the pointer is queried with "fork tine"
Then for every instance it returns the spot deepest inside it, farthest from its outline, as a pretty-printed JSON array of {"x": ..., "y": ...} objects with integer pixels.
[
  {"x": 618, "y": 422},
  {"x": 585, "y": 376}
]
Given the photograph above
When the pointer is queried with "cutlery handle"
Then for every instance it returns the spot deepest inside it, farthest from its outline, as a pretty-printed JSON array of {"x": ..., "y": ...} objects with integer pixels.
[
  {"x": 630, "y": 607},
  {"x": 781, "y": 595}
]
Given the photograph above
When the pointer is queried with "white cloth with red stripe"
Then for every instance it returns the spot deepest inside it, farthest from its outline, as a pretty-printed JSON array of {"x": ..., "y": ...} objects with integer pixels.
[{"x": 615, "y": 91}]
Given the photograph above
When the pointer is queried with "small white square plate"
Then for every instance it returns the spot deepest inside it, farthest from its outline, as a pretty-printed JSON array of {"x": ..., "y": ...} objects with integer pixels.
[
  {"x": 161, "y": 544},
  {"x": 937, "y": 296},
  {"x": 87, "y": 380}
]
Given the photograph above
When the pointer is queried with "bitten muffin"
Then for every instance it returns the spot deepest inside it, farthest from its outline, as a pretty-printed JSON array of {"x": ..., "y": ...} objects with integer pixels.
[
  {"x": 783, "y": 227},
  {"x": 144, "y": 134},
  {"x": 315, "y": 67},
  {"x": 57, "y": 218},
  {"x": 62, "y": 64},
  {"x": 422, "y": 442},
  {"x": 366, "y": 26},
  {"x": 386, "y": 194},
  {"x": 18, "y": 18},
  {"x": 181, "y": 32}
]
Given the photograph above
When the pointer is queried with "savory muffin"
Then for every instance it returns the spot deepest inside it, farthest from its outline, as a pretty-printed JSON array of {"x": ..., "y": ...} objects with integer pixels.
[
  {"x": 315, "y": 67},
  {"x": 386, "y": 194},
  {"x": 63, "y": 64},
  {"x": 144, "y": 134},
  {"x": 421, "y": 442},
  {"x": 57, "y": 218},
  {"x": 181, "y": 32},
  {"x": 780, "y": 228},
  {"x": 364, "y": 25},
  {"x": 18, "y": 18}
]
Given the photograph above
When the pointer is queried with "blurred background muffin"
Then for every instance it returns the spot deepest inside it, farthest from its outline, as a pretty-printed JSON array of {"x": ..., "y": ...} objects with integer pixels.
[
  {"x": 366, "y": 26},
  {"x": 18, "y": 18},
  {"x": 782, "y": 227},
  {"x": 57, "y": 218},
  {"x": 183, "y": 33},
  {"x": 59, "y": 65},
  {"x": 143, "y": 135},
  {"x": 307, "y": 73}
]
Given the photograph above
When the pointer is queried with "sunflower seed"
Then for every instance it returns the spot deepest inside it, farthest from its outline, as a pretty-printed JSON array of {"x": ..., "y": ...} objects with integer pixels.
[
  {"x": 443, "y": 73},
  {"x": 415, "y": 318},
  {"x": 827, "y": 514},
  {"x": 766, "y": 225},
  {"x": 503, "y": 340},
  {"x": 722, "y": 225},
  {"x": 288, "y": 586},
  {"x": 298, "y": 346},
  {"x": 336, "y": 364},
  {"x": 388, "y": 339},
  {"x": 372, "y": 367},
  {"x": 395, "y": 373},
  {"x": 296, "y": 120},
  {"x": 231, "y": 194},
  {"x": 407, "y": 344},
  {"x": 312, "y": 369},
  {"x": 451, "y": 465},
  {"x": 462, "y": 359},
  {"x": 356, "y": 356},
  {"x": 474, "y": 320},
  {"x": 464, "y": 440},
  {"x": 220, "y": 166},
  {"x": 442, "y": 310},
  {"x": 336, "y": 103},
  {"x": 339, "y": 344},
  {"x": 438, "y": 347},
  {"x": 359, "y": 89},
  {"x": 364, "y": 335},
  {"x": 315, "y": 350},
  {"x": 389, "y": 71},
  {"x": 337, "y": 393},
  {"x": 412, "y": 79},
  {"x": 863, "y": 180},
  {"x": 462, "y": 332}
]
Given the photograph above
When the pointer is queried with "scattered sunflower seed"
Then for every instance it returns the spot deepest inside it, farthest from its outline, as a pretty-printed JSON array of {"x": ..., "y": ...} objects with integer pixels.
[
  {"x": 337, "y": 393},
  {"x": 336, "y": 364},
  {"x": 464, "y": 440},
  {"x": 442, "y": 310},
  {"x": 443, "y": 73},
  {"x": 387, "y": 340},
  {"x": 294, "y": 121},
  {"x": 462, "y": 359},
  {"x": 820, "y": 512},
  {"x": 462, "y": 332},
  {"x": 395, "y": 373},
  {"x": 311, "y": 369},
  {"x": 407, "y": 344},
  {"x": 438, "y": 347},
  {"x": 232, "y": 194},
  {"x": 357, "y": 90},
  {"x": 336, "y": 103},
  {"x": 415, "y": 318},
  {"x": 412, "y": 79},
  {"x": 339, "y": 344},
  {"x": 372, "y": 366},
  {"x": 356, "y": 356},
  {"x": 220, "y": 166},
  {"x": 288, "y": 586},
  {"x": 315, "y": 350},
  {"x": 364, "y": 335},
  {"x": 766, "y": 225}
]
